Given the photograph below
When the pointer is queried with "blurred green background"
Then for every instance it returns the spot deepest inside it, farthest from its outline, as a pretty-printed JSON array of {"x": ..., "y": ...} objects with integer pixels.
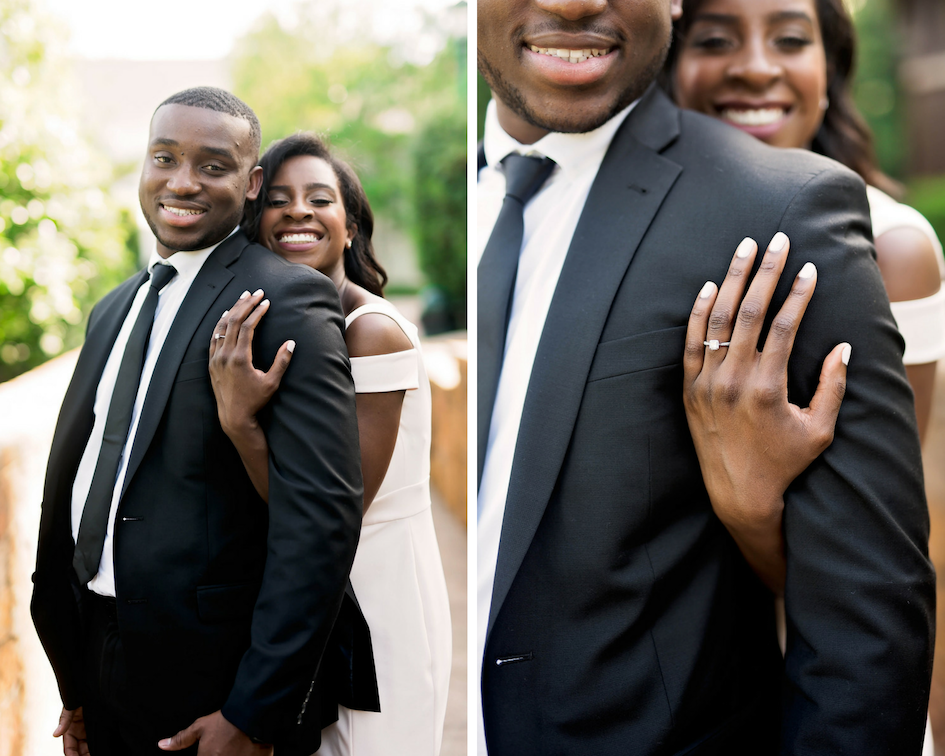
[{"x": 398, "y": 116}]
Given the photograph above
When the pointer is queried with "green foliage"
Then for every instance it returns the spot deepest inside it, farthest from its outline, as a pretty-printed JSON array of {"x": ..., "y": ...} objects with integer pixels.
[
  {"x": 373, "y": 104},
  {"x": 875, "y": 90},
  {"x": 441, "y": 204},
  {"x": 63, "y": 244},
  {"x": 927, "y": 195}
]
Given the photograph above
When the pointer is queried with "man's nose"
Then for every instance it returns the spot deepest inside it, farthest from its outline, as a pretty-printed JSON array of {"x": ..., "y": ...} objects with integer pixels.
[
  {"x": 573, "y": 10},
  {"x": 756, "y": 65},
  {"x": 183, "y": 181}
]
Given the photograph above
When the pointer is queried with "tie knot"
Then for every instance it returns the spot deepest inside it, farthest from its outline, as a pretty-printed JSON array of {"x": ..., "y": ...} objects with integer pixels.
[
  {"x": 524, "y": 175},
  {"x": 161, "y": 274}
]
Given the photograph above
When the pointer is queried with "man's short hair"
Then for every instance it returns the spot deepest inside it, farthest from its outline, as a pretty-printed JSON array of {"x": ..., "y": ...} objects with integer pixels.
[{"x": 214, "y": 98}]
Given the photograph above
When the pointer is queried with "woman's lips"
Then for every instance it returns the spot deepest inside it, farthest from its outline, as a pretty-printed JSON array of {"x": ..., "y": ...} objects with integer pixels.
[
  {"x": 760, "y": 122},
  {"x": 567, "y": 66},
  {"x": 297, "y": 240}
]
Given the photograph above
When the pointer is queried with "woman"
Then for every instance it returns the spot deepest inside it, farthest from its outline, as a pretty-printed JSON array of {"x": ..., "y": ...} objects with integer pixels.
[
  {"x": 780, "y": 70},
  {"x": 312, "y": 210}
]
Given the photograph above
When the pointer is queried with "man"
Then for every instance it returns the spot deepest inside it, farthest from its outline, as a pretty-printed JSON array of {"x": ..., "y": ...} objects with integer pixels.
[
  {"x": 169, "y": 597},
  {"x": 616, "y": 615}
]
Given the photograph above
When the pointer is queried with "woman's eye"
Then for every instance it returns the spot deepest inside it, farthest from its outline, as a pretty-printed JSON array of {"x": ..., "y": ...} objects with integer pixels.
[
  {"x": 792, "y": 42},
  {"x": 276, "y": 202},
  {"x": 713, "y": 44},
  {"x": 321, "y": 202}
]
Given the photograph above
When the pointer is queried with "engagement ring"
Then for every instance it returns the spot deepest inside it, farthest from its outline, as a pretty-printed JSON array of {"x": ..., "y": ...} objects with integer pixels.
[{"x": 714, "y": 344}]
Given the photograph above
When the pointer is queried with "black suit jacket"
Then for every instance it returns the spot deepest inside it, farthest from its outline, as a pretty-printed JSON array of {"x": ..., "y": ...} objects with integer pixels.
[
  {"x": 222, "y": 601},
  {"x": 624, "y": 620}
]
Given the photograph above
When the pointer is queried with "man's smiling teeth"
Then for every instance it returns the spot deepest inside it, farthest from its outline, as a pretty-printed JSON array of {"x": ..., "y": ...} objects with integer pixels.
[
  {"x": 182, "y": 212},
  {"x": 572, "y": 56},
  {"x": 754, "y": 117},
  {"x": 298, "y": 238}
]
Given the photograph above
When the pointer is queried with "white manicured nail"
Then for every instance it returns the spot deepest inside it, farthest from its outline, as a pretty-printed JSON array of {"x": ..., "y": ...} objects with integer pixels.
[
  {"x": 778, "y": 243},
  {"x": 264, "y": 303},
  {"x": 707, "y": 290},
  {"x": 845, "y": 354},
  {"x": 807, "y": 271},
  {"x": 745, "y": 247},
  {"x": 257, "y": 292},
  {"x": 244, "y": 295},
  {"x": 290, "y": 345},
  {"x": 225, "y": 313}
]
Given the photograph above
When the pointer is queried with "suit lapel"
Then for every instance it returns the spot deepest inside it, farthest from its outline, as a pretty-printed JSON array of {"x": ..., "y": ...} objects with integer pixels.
[
  {"x": 629, "y": 188},
  {"x": 206, "y": 288}
]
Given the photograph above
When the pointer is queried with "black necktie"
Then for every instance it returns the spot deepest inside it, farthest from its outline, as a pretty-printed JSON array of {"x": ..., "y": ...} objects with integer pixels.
[
  {"x": 92, "y": 526},
  {"x": 496, "y": 280}
]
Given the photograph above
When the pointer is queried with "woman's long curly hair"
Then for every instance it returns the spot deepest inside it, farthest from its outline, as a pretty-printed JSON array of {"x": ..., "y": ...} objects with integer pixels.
[
  {"x": 361, "y": 265},
  {"x": 843, "y": 135}
]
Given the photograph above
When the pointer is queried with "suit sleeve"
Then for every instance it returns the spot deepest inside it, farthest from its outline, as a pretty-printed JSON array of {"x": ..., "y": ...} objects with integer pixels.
[
  {"x": 54, "y": 604},
  {"x": 315, "y": 496},
  {"x": 860, "y": 593}
]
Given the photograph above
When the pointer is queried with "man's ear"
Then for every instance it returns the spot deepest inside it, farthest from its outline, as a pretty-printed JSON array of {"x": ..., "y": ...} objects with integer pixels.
[
  {"x": 675, "y": 9},
  {"x": 255, "y": 183}
]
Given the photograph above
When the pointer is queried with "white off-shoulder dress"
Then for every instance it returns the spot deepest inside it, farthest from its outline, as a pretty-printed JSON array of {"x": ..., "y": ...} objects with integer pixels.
[
  {"x": 921, "y": 321},
  {"x": 398, "y": 576}
]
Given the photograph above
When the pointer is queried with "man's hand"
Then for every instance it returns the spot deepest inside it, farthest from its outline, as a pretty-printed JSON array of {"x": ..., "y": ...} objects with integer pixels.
[
  {"x": 217, "y": 737},
  {"x": 71, "y": 729}
]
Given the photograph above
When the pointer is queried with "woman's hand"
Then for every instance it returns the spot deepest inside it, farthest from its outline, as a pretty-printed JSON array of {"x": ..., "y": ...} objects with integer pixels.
[
  {"x": 751, "y": 442},
  {"x": 240, "y": 389}
]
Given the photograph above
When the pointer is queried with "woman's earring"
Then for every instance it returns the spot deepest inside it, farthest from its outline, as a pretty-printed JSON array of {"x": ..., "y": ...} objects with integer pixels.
[
  {"x": 824, "y": 102},
  {"x": 348, "y": 244}
]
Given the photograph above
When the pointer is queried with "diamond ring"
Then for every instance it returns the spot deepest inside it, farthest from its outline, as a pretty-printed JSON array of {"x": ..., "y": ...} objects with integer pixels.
[{"x": 714, "y": 344}]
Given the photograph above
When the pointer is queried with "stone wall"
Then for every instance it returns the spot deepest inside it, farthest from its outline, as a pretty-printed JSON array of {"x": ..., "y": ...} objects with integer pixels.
[{"x": 445, "y": 358}]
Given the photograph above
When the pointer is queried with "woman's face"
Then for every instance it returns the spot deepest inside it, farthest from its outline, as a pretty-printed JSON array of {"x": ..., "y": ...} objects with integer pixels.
[
  {"x": 304, "y": 218},
  {"x": 758, "y": 65}
]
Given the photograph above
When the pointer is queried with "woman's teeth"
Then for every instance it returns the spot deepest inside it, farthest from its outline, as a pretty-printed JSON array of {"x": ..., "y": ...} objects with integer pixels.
[
  {"x": 572, "y": 56},
  {"x": 298, "y": 238},
  {"x": 753, "y": 117}
]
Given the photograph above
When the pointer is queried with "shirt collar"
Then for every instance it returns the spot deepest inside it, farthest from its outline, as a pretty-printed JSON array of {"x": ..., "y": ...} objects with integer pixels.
[
  {"x": 188, "y": 263},
  {"x": 570, "y": 151}
]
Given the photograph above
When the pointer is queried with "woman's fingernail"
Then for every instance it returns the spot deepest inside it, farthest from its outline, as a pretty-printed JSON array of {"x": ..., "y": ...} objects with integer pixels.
[
  {"x": 744, "y": 247},
  {"x": 244, "y": 295},
  {"x": 165, "y": 743},
  {"x": 807, "y": 271},
  {"x": 845, "y": 354},
  {"x": 707, "y": 290},
  {"x": 257, "y": 292},
  {"x": 264, "y": 303},
  {"x": 225, "y": 313},
  {"x": 778, "y": 243},
  {"x": 290, "y": 345}
]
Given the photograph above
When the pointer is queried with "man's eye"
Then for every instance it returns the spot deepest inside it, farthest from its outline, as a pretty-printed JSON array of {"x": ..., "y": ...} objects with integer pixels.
[
  {"x": 213, "y": 168},
  {"x": 163, "y": 159}
]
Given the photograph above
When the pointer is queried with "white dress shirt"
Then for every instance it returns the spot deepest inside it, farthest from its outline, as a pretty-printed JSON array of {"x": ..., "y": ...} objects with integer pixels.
[
  {"x": 550, "y": 219},
  {"x": 188, "y": 264}
]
